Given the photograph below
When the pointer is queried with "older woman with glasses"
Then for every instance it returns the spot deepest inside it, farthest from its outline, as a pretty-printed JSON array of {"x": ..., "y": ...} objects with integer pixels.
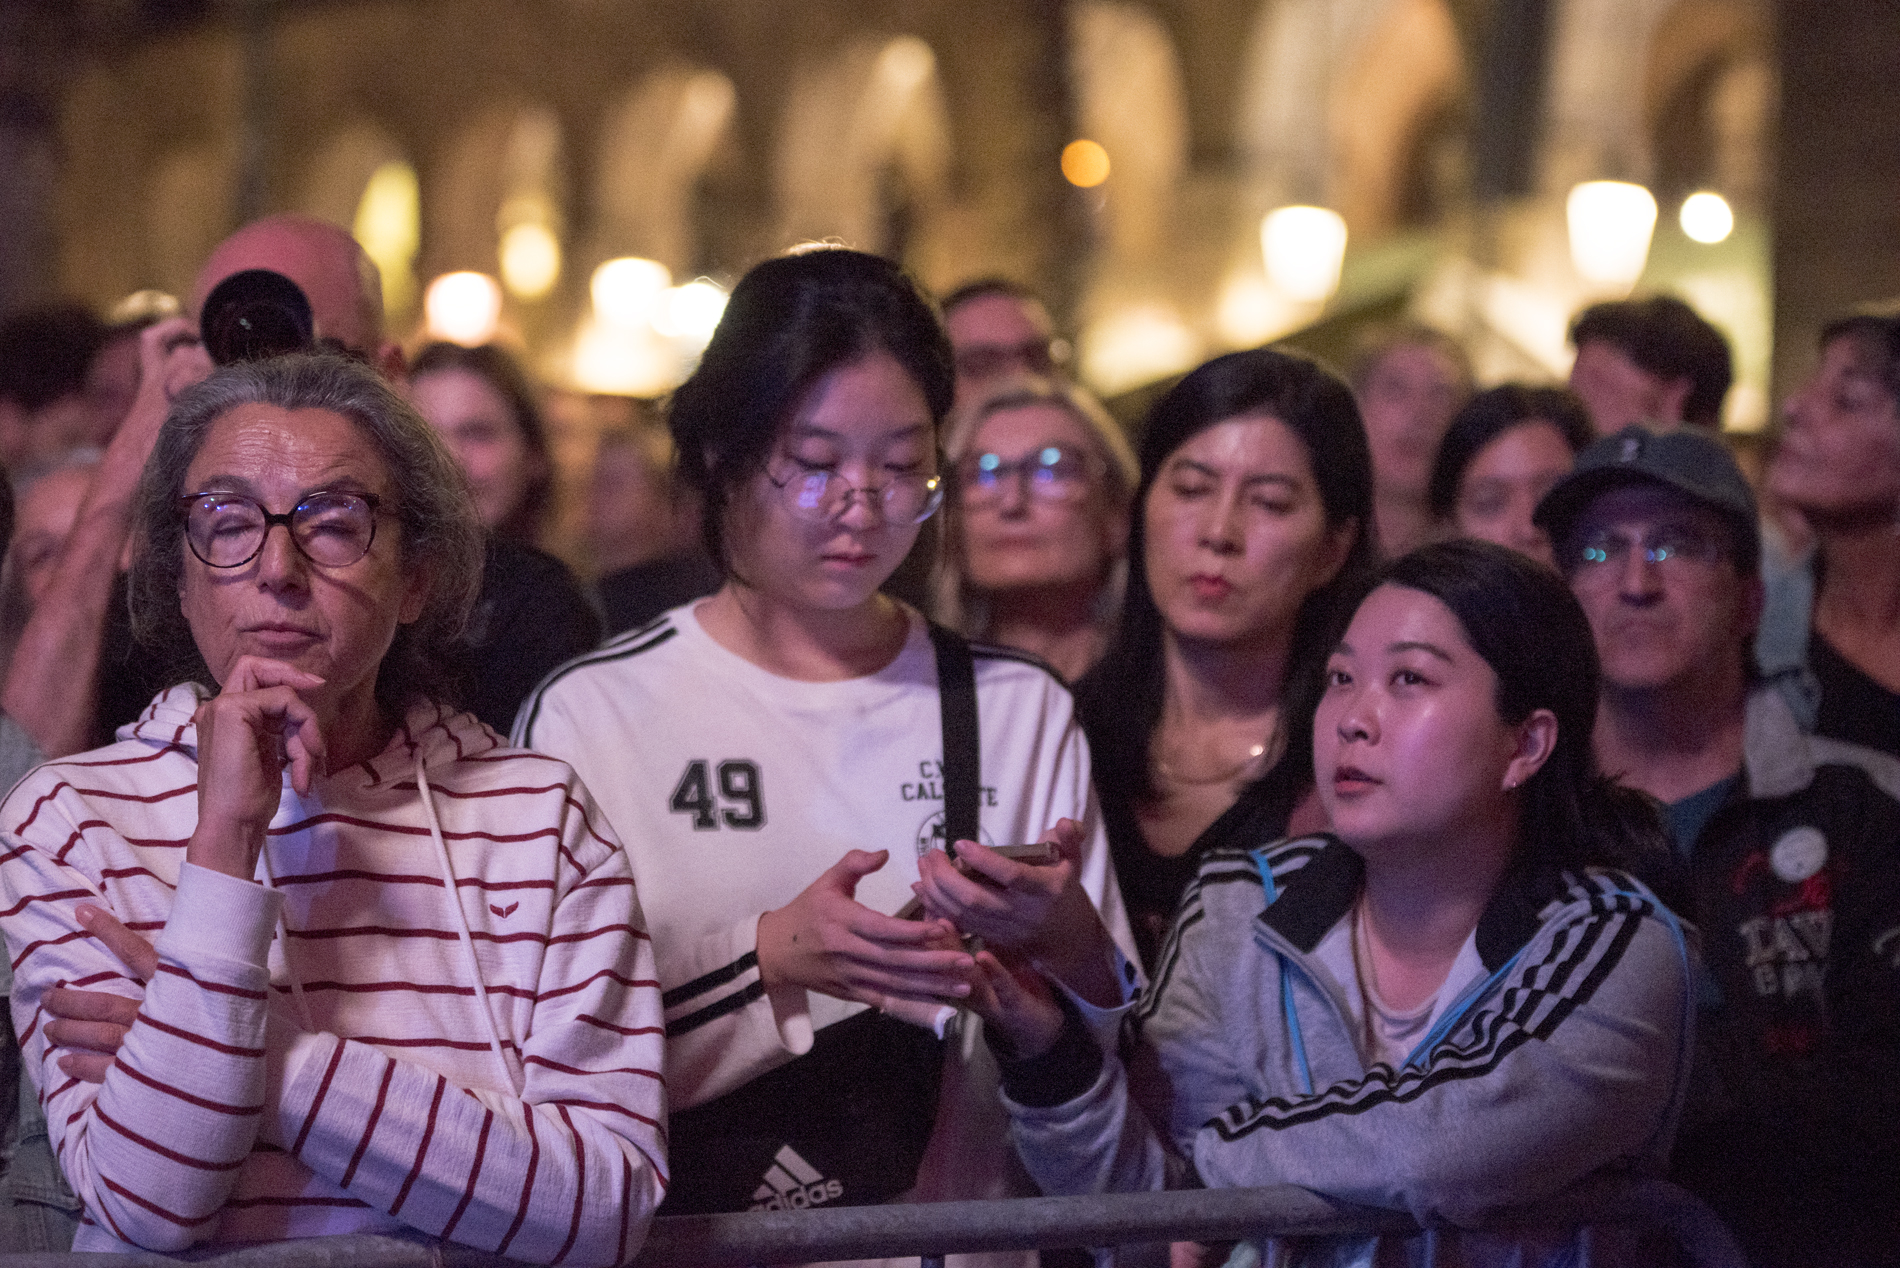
[
  {"x": 1037, "y": 529},
  {"x": 398, "y": 978},
  {"x": 783, "y": 757}
]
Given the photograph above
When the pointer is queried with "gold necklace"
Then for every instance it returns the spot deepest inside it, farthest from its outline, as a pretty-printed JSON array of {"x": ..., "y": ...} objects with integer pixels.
[{"x": 1172, "y": 776}]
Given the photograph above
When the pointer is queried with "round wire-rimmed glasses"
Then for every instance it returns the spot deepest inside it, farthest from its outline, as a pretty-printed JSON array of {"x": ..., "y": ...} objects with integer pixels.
[
  {"x": 330, "y": 528},
  {"x": 813, "y": 493}
]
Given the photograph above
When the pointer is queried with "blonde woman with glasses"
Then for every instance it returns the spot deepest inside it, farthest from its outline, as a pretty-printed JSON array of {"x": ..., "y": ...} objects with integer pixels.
[{"x": 1036, "y": 550}]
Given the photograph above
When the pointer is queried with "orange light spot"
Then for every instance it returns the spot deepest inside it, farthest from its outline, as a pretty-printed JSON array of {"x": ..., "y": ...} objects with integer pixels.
[{"x": 1084, "y": 163}]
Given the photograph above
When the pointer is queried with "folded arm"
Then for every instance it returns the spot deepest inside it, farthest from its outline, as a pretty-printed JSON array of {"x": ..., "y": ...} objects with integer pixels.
[{"x": 569, "y": 1170}]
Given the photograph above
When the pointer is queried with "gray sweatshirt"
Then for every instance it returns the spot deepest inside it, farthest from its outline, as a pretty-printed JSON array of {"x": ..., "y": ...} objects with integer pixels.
[{"x": 1565, "y": 1059}]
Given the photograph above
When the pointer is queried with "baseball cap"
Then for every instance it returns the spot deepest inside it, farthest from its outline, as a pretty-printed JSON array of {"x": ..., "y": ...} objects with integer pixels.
[{"x": 1686, "y": 459}]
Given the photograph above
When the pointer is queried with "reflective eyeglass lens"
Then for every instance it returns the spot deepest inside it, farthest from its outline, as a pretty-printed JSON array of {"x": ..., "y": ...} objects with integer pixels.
[
  {"x": 1051, "y": 471},
  {"x": 811, "y": 493},
  {"x": 911, "y": 499},
  {"x": 224, "y": 532},
  {"x": 334, "y": 529},
  {"x": 822, "y": 495},
  {"x": 1057, "y": 466}
]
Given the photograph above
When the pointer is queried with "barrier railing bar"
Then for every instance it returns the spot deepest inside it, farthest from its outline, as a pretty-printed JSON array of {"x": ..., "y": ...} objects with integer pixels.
[
  {"x": 937, "y": 1228},
  {"x": 934, "y": 1229}
]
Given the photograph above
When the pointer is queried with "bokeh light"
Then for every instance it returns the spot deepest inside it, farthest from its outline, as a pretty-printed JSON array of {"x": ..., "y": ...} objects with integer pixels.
[
  {"x": 463, "y": 308},
  {"x": 1084, "y": 163},
  {"x": 530, "y": 260},
  {"x": 1706, "y": 217},
  {"x": 1305, "y": 248},
  {"x": 389, "y": 225},
  {"x": 1611, "y": 223},
  {"x": 627, "y": 291},
  {"x": 691, "y": 312}
]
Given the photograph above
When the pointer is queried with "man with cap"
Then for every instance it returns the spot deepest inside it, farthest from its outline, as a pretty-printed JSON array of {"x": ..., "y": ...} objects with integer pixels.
[{"x": 1787, "y": 854}]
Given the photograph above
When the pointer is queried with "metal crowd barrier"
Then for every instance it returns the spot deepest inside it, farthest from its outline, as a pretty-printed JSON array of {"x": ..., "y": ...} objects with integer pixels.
[{"x": 934, "y": 1229}]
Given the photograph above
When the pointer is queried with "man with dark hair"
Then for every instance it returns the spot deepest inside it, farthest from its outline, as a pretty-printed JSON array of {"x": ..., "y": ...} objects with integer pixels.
[
  {"x": 1787, "y": 854},
  {"x": 1649, "y": 361},
  {"x": 44, "y": 354},
  {"x": 999, "y": 329}
]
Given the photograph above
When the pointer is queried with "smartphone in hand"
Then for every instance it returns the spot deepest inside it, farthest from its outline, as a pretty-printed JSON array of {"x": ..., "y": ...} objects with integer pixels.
[{"x": 1037, "y": 854}]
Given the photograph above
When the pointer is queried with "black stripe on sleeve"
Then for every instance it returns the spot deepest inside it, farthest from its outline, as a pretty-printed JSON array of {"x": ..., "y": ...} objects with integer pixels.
[
  {"x": 713, "y": 1012},
  {"x": 617, "y": 650},
  {"x": 706, "y": 981}
]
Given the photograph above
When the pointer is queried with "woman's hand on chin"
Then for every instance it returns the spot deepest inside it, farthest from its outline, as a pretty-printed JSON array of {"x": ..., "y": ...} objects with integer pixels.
[
  {"x": 826, "y": 941},
  {"x": 247, "y": 734}
]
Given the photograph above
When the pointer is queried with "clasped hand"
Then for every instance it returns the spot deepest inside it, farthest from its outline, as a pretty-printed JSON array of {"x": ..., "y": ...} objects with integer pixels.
[{"x": 91, "y": 1025}]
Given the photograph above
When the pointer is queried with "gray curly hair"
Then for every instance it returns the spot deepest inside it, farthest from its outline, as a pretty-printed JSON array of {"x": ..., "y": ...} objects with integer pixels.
[{"x": 441, "y": 530}]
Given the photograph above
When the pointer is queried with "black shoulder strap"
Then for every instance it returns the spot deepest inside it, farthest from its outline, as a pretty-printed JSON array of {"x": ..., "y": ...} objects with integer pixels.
[{"x": 962, "y": 756}]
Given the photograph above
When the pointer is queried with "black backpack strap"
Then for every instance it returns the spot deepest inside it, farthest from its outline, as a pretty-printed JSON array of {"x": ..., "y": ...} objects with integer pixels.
[{"x": 962, "y": 755}]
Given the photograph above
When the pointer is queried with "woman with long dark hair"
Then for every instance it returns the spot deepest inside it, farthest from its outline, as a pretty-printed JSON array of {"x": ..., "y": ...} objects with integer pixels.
[
  {"x": 1250, "y": 521},
  {"x": 1452, "y": 1004},
  {"x": 1504, "y": 450},
  {"x": 782, "y": 757}
]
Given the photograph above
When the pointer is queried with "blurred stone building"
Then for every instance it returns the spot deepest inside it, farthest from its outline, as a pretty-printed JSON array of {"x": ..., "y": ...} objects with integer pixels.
[{"x": 534, "y": 140}]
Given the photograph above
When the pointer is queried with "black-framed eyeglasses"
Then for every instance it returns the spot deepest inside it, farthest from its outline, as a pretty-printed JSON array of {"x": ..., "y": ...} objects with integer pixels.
[
  {"x": 1052, "y": 472},
  {"x": 815, "y": 493},
  {"x": 331, "y": 528}
]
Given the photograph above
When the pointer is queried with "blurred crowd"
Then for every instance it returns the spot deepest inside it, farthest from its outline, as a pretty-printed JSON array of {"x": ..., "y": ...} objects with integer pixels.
[{"x": 1202, "y": 582}]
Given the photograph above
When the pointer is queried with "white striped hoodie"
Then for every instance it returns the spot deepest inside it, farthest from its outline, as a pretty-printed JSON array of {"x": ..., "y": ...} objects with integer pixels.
[{"x": 313, "y": 1056}]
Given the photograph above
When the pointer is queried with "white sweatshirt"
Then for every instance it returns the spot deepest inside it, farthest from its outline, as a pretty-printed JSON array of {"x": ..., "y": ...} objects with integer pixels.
[
  {"x": 734, "y": 789},
  {"x": 344, "y": 1074}
]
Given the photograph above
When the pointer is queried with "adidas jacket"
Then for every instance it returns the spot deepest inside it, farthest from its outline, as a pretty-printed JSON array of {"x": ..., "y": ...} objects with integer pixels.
[
  {"x": 1568, "y": 1057},
  {"x": 455, "y": 1031}
]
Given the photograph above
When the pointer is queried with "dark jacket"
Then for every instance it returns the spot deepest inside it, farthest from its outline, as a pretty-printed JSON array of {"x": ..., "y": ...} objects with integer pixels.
[{"x": 1793, "y": 1131}]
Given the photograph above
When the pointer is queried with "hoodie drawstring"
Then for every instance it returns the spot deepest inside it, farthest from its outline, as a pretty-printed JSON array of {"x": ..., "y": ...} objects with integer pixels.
[
  {"x": 461, "y": 922},
  {"x": 283, "y": 943}
]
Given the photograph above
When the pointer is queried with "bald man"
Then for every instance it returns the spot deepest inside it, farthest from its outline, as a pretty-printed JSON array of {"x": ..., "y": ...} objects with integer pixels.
[
  {"x": 77, "y": 674},
  {"x": 335, "y": 273}
]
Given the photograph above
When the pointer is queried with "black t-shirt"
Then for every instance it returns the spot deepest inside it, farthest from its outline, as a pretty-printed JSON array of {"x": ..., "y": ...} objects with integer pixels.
[
  {"x": 1854, "y": 707},
  {"x": 531, "y": 616},
  {"x": 630, "y": 597},
  {"x": 1152, "y": 884}
]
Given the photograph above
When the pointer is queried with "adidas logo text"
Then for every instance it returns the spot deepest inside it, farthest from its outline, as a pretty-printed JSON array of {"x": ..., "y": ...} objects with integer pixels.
[{"x": 793, "y": 1184}]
